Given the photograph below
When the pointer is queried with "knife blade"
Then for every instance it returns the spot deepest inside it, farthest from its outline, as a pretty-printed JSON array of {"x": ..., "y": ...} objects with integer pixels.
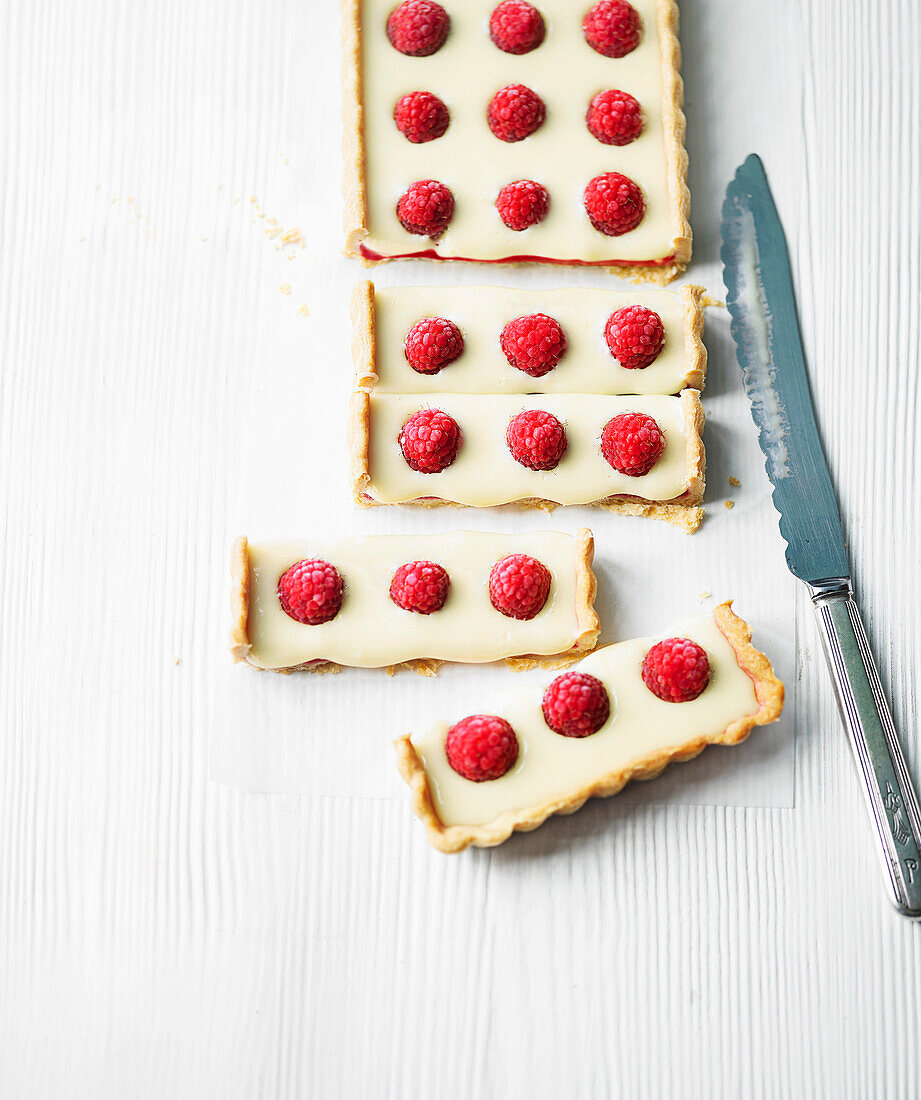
[{"x": 766, "y": 331}]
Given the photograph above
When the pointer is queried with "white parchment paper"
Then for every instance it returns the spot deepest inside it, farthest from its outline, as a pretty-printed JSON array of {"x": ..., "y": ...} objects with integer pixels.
[{"x": 331, "y": 734}]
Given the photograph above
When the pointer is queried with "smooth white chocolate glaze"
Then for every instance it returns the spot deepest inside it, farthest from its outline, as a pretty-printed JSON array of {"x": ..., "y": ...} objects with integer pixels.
[
  {"x": 485, "y": 474},
  {"x": 371, "y": 631},
  {"x": 562, "y": 155},
  {"x": 641, "y": 726},
  {"x": 481, "y": 313}
]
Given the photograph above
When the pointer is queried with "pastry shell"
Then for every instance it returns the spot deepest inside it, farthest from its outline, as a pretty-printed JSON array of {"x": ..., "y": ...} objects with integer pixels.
[
  {"x": 587, "y": 624},
  {"x": 363, "y": 310},
  {"x": 355, "y": 211},
  {"x": 769, "y": 692},
  {"x": 683, "y": 511}
]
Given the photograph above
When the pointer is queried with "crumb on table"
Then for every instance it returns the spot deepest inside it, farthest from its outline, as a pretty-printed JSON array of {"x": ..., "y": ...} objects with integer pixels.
[{"x": 734, "y": 482}]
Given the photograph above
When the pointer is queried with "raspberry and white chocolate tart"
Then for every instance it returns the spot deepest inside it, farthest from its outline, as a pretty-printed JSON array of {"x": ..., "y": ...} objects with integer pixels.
[
  {"x": 488, "y": 339},
  {"x": 636, "y": 455},
  {"x": 503, "y": 131},
  {"x": 387, "y": 600},
  {"x": 626, "y": 712}
]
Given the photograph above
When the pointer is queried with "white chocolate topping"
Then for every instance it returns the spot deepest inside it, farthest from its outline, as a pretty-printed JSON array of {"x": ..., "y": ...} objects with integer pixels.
[
  {"x": 562, "y": 155},
  {"x": 482, "y": 312},
  {"x": 371, "y": 631},
  {"x": 485, "y": 474},
  {"x": 641, "y": 725}
]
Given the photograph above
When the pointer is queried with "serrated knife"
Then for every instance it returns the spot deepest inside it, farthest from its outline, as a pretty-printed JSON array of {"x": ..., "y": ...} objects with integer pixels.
[{"x": 765, "y": 328}]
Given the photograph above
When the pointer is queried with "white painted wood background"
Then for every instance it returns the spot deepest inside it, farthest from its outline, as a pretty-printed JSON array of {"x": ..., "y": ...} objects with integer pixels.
[{"x": 164, "y": 937}]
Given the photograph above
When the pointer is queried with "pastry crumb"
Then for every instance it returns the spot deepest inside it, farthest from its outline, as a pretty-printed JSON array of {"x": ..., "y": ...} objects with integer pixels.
[
  {"x": 730, "y": 504},
  {"x": 734, "y": 482},
  {"x": 303, "y": 311},
  {"x": 282, "y": 238},
  {"x": 705, "y": 595},
  {"x": 176, "y": 661},
  {"x": 285, "y": 288}
]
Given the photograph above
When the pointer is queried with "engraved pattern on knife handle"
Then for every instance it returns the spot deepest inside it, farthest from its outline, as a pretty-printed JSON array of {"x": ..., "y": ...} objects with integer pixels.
[{"x": 890, "y": 796}]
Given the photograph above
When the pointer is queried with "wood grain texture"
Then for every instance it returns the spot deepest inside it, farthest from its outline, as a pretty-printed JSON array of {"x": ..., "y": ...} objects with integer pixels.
[{"x": 164, "y": 937}]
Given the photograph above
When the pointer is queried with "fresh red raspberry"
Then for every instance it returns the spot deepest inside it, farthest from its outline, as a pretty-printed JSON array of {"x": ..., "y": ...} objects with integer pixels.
[
  {"x": 425, "y": 208},
  {"x": 522, "y": 204},
  {"x": 536, "y": 439},
  {"x": 635, "y": 336},
  {"x": 613, "y": 117},
  {"x": 614, "y": 204},
  {"x": 516, "y": 27},
  {"x": 430, "y": 440},
  {"x": 420, "y": 586},
  {"x": 534, "y": 344},
  {"x": 612, "y": 27},
  {"x": 519, "y": 586},
  {"x": 311, "y": 591},
  {"x": 418, "y": 27},
  {"x": 515, "y": 112},
  {"x": 421, "y": 117},
  {"x": 481, "y": 747},
  {"x": 632, "y": 443},
  {"x": 432, "y": 343},
  {"x": 676, "y": 670},
  {"x": 576, "y": 704}
]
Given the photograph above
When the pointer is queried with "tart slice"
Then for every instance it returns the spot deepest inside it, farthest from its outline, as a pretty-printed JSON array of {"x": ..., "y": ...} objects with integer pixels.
[
  {"x": 490, "y": 339},
  {"x": 505, "y": 131},
  {"x": 387, "y": 600},
  {"x": 625, "y": 712},
  {"x": 635, "y": 455}
]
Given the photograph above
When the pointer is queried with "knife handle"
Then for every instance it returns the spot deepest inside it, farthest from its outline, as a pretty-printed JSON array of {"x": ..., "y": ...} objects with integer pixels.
[{"x": 891, "y": 799}]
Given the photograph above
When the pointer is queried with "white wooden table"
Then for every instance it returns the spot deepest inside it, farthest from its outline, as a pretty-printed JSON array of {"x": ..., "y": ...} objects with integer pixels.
[{"x": 166, "y": 937}]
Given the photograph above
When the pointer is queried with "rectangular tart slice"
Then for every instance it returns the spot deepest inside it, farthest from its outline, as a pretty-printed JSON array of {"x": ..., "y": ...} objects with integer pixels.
[
  {"x": 445, "y": 108},
  {"x": 432, "y": 339},
  {"x": 551, "y": 747},
  {"x": 481, "y": 470},
  {"x": 369, "y": 617}
]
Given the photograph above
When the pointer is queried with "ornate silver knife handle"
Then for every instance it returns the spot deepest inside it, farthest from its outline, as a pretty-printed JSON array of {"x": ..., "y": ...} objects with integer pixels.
[{"x": 891, "y": 799}]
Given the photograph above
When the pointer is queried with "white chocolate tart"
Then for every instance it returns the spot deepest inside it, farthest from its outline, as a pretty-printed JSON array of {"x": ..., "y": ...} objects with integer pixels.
[
  {"x": 372, "y": 631},
  {"x": 643, "y": 734},
  {"x": 383, "y": 316},
  {"x": 484, "y": 473},
  {"x": 562, "y": 155}
]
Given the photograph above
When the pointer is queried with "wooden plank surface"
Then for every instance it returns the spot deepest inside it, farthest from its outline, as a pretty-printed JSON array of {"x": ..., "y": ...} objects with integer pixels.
[{"x": 161, "y": 936}]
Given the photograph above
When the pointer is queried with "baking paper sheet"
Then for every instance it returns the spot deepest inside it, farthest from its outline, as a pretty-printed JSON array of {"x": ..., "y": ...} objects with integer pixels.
[{"x": 309, "y": 734}]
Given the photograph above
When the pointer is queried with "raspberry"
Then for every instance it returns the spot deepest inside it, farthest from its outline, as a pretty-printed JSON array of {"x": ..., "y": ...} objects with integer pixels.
[
  {"x": 421, "y": 117},
  {"x": 635, "y": 336},
  {"x": 420, "y": 586},
  {"x": 425, "y": 208},
  {"x": 534, "y": 344},
  {"x": 515, "y": 112},
  {"x": 632, "y": 443},
  {"x": 536, "y": 439},
  {"x": 516, "y": 27},
  {"x": 430, "y": 440},
  {"x": 676, "y": 670},
  {"x": 432, "y": 343},
  {"x": 311, "y": 591},
  {"x": 519, "y": 586},
  {"x": 576, "y": 704},
  {"x": 612, "y": 27},
  {"x": 418, "y": 27},
  {"x": 614, "y": 204},
  {"x": 614, "y": 117},
  {"x": 522, "y": 204},
  {"x": 481, "y": 747}
]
